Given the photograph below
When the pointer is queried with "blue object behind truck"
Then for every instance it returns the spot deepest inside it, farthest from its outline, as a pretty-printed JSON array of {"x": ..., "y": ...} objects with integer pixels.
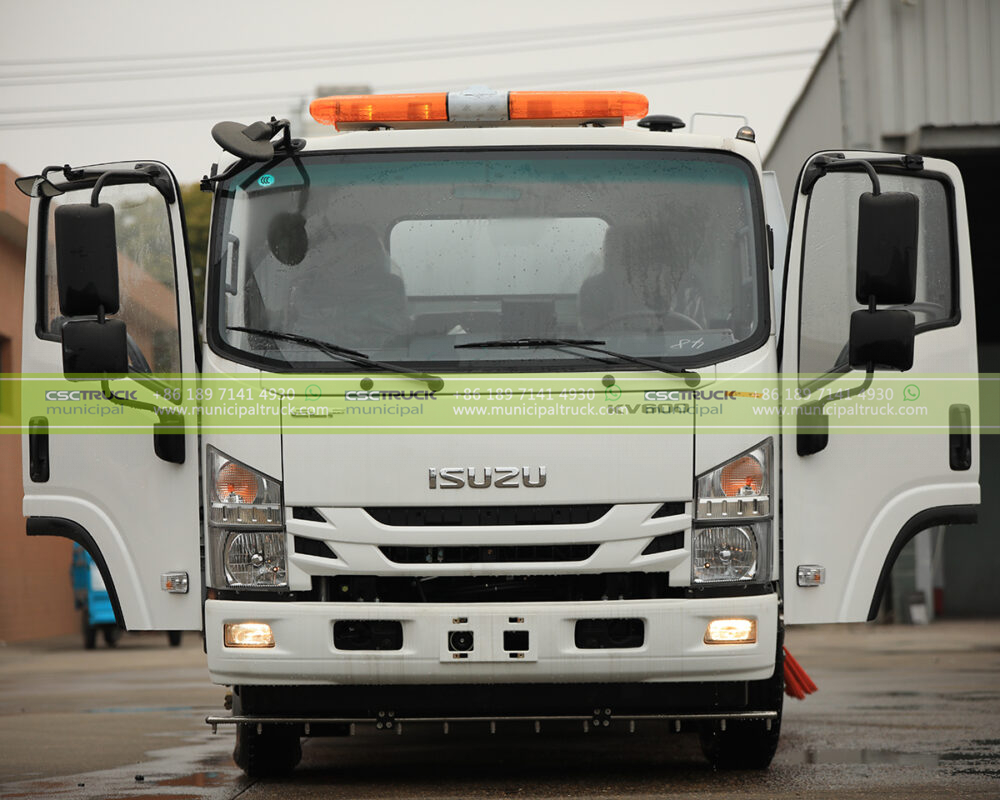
[{"x": 91, "y": 595}]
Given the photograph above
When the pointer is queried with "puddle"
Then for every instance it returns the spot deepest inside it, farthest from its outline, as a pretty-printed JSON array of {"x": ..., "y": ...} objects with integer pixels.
[
  {"x": 162, "y": 797},
  {"x": 201, "y": 779},
  {"x": 846, "y": 756}
]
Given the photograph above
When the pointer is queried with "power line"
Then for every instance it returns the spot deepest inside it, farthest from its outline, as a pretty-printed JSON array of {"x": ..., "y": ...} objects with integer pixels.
[
  {"x": 504, "y": 36},
  {"x": 550, "y": 78},
  {"x": 556, "y": 78},
  {"x": 441, "y": 47},
  {"x": 280, "y": 97},
  {"x": 180, "y": 113}
]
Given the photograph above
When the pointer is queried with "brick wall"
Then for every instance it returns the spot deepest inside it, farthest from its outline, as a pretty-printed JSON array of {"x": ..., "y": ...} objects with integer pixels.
[{"x": 36, "y": 599}]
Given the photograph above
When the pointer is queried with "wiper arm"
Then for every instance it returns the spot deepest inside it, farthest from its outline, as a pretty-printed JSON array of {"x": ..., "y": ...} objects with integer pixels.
[
  {"x": 434, "y": 383},
  {"x": 529, "y": 343},
  {"x": 690, "y": 377}
]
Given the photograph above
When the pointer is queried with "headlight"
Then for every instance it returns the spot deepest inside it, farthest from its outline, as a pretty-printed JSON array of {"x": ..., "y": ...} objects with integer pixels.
[
  {"x": 731, "y": 541},
  {"x": 253, "y": 559},
  {"x": 246, "y": 526},
  {"x": 730, "y": 553}
]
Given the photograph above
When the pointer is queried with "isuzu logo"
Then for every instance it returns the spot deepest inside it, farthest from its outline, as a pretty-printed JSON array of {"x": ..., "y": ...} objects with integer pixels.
[{"x": 484, "y": 477}]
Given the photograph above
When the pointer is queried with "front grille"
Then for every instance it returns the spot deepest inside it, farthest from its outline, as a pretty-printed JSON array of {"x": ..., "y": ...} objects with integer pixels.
[
  {"x": 482, "y": 516},
  {"x": 488, "y": 554},
  {"x": 497, "y": 588},
  {"x": 668, "y": 510},
  {"x": 665, "y": 543},
  {"x": 313, "y": 547}
]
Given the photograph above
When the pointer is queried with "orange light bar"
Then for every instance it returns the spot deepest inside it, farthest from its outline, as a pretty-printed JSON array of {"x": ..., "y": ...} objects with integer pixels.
[
  {"x": 479, "y": 107},
  {"x": 578, "y": 105},
  {"x": 384, "y": 108}
]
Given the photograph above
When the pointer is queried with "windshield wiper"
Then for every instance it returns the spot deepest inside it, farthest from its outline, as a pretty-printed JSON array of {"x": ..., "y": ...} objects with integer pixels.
[
  {"x": 434, "y": 383},
  {"x": 691, "y": 378}
]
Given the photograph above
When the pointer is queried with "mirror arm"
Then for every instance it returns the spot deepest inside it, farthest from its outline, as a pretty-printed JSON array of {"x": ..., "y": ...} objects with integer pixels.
[
  {"x": 287, "y": 142},
  {"x": 820, "y": 165},
  {"x": 148, "y": 176},
  {"x": 858, "y": 162},
  {"x": 161, "y": 415},
  {"x": 845, "y": 394}
]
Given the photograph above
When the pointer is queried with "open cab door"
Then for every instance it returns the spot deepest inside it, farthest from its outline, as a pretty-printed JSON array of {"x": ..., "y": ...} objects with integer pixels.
[
  {"x": 879, "y": 336},
  {"x": 107, "y": 293}
]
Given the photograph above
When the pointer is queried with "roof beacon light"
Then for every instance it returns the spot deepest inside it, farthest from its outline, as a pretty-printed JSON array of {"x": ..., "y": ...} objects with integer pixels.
[{"x": 477, "y": 107}]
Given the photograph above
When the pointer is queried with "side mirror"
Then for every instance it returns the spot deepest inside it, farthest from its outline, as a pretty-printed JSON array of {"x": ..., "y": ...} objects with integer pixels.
[
  {"x": 94, "y": 348},
  {"x": 86, "y": 259},
  {"x": 887, "y": 248},
  {"x": 252, "y": 142},
  {"x": 883, "y": 339}
]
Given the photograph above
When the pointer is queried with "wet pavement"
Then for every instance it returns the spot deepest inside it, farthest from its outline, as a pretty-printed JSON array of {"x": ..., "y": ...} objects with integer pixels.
[{"x": 901, "y": 712}]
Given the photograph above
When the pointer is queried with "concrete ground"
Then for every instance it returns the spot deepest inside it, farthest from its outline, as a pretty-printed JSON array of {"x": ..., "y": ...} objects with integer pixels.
[{"x": 901, "y": 712}]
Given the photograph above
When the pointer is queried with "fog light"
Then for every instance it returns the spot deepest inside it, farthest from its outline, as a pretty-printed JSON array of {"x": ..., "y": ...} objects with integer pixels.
[
  {"x": 731, "y": 631},
  {"x": 248, "y": 634}
]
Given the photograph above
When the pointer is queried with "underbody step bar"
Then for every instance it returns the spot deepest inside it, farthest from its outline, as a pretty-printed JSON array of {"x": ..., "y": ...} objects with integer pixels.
[{"x": 387, "y": 720}]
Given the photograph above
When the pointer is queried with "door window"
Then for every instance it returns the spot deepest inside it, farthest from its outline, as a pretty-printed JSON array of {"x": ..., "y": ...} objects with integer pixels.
[
  {"x": 146, "y": 275},
  {"x": 830, "y": 254}
]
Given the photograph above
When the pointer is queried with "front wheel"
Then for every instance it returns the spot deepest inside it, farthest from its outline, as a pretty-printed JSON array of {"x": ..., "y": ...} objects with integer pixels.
[
  {"x": 744, "y": 744},
  {"x": 750, "y": 744},
  {"x": 274, "y": 751}
]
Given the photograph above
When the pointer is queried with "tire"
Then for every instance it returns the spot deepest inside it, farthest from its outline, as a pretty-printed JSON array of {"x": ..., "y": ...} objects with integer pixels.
[
  {"x": 89, "y": 631},
  {"x": 748, "y": 744},
  {"x": 112, "y": 633},
  {"x": 273, "y": 752},
  {"x": 174, "y": 638}
]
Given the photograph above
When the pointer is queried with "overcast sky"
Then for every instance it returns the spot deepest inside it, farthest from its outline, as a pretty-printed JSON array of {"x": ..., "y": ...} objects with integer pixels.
[{"x": 85, "y": 82}]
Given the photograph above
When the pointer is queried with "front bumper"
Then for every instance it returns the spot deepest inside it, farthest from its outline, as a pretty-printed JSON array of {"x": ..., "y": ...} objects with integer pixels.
[{"x": 673, "y": 648}]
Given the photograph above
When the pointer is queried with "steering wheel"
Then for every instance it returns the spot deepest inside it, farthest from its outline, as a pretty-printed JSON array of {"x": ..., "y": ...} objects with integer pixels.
[{"x": 682, "y": 321}]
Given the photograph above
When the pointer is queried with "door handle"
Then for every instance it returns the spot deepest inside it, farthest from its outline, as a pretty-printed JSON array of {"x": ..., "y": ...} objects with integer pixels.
[
  {"x": 960, "y": 437},
  {"x": 38, "y": 449}
]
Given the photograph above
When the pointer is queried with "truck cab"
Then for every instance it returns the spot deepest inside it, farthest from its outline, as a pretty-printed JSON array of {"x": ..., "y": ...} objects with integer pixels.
[{"x": 526, "y": 324}]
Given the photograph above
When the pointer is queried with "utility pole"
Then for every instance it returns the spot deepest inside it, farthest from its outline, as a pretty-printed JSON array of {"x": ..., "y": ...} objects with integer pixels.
[{"x": 838, "y": 15}]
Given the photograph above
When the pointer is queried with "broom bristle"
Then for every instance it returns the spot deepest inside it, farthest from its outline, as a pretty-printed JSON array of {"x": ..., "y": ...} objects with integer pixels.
[{"x": 797, "y": 683}]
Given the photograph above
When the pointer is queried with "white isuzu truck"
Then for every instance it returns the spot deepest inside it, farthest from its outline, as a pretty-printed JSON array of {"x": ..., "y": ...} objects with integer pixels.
[{"x": 420, "y": 550}]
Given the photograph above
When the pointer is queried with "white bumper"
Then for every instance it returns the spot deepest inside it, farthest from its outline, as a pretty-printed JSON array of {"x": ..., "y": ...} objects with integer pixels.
[{"x": 673, "y": 647}]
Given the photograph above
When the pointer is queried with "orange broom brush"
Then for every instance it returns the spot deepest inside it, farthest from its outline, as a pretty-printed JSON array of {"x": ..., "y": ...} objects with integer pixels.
[{"x": 797, "y": 683}]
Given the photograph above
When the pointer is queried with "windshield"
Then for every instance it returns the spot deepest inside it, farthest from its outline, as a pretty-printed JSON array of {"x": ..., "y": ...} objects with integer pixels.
[{"x": 405, "y": 255}]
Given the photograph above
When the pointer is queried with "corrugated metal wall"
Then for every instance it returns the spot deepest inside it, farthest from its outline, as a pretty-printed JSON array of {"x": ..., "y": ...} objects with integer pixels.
[{"x": 909, "y": 65}]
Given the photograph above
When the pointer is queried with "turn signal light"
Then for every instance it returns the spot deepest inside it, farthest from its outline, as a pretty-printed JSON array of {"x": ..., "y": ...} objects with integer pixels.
[
  {"x": 742, "y": 477},
  {"x": 248, "y": 634},
  {"x": 236, "y": 484}
]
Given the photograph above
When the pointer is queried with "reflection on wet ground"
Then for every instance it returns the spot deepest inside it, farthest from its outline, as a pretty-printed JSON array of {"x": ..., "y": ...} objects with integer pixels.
[
  {"x": 846, "y": 756},
  {"x": 201, "y": 779}
]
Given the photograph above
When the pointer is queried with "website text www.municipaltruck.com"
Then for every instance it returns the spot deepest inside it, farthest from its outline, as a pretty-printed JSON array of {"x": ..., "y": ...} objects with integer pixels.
[{"x": 658, "y": 403}]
